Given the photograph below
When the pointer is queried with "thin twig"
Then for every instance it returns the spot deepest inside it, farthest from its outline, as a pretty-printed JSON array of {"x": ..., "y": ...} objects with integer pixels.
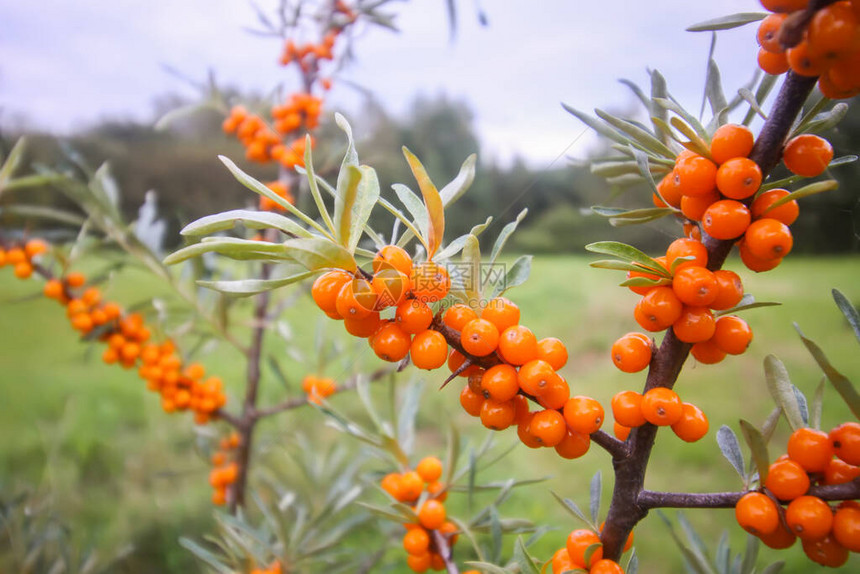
[{"x": 445, "y": 551}]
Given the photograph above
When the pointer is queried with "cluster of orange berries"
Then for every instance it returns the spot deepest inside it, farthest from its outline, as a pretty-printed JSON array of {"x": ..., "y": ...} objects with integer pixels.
[
  {"x": 659, "y": 406},
  {"x": 281, "y": 189},
  {"x": 410, "y": 488},
  {"x": 226, "y": 470},
  {"x": 318, "y": 388},
  {"x": 829, "y": 48},
  {"x": 827, "y": 534},
  {"x": 583, "y": 550},
  {"x": 309, "y": 51},
  {"x": 21, "y": 257},
  {"x": 273, "y": 568},
  {"x": 262, "y": 142}
]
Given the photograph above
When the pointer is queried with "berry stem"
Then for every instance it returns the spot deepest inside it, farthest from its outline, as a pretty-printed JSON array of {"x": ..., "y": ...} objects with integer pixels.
[{"x": 444, "y": 551}]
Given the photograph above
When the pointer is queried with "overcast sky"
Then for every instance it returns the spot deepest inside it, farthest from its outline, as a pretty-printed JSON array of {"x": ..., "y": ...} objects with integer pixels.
[{"x": 64, "y": 64}]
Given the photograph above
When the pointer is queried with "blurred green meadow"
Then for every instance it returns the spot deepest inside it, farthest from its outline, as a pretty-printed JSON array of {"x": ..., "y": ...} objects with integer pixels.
[{"x": 96, "y": 448}]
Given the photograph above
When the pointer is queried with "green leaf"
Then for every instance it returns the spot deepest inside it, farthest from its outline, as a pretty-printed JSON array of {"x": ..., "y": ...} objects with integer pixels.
[
  {"x": 779, "y": 385},
  {"x": 645, "y": 282},
  {"x": 516, "y": 275},
  {"x": 769, "y": 425},
  {"x": 11, "y": 163},
  {"x": 805, "y": 191},
  {"x": 205, "y": 555},
  {"x": 43, "y": 212},
  {"x": 414, "y": 206},
  {"x": 504, "y": 234},
  {"x": 695, "y": 561},
  {"x": 758, "y": 448},
  {"x": 764, "y": 89},
  {"x": 616, "y": 265},
  {"x": 261, "y": 189},
  {"x": 817, "y": 404},
  {"x": 850, "y": 312},
  {"x": 596, "y": 489},
  {"x": 774, "y": 568},
  {"x": 312, "y": 184},
  {"x": 822, "y": 122},
  {"x": 755, "y": 108},
  {"x": 250, "y": 219},
  {"x": 367, "y": 195},
  {"x": 750, "y": 555},
  {"x": 433, "y": 202},
  {"x": 597, "y": 126},
  {"x": 731, "y": 449},
  {"x": 470, "y": 281},
  {"x": 455, "y": 188},
  {"x": 628, "y": 253},
  {"x": 247, "y": 287},
  {"x": 727, "y": 22},
  {"x": 650, "y": 213},
  {"x": 344, "y": 201},
  {"x": 843, "y": 386},
  {"x": 316, "y": 253},
  {"x": 183, "y": 112},
  {"x": 574, "y": 510},
  {"x": 522, "y": 557},
  {"x": 714, "y": 91},
  {"x": 242, "y": 249},
  {"x": 697, "y": 143},
  {"x": 387, "y": 205},
  {"x": 645, "y": 140},
  {"x": 488, "y": 567}
]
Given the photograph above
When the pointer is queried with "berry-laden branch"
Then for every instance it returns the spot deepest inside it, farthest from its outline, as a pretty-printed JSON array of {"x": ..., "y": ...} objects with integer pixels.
[{"x": 627, "y": 508}]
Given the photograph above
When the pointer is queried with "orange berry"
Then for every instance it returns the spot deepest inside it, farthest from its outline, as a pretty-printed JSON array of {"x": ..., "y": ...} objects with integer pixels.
[
  {"x": 695, "y": 176},
  {"x": 535, "y": 377},
  {"x": 583, "y": 414},
  {"x": 497, "y": 415},
  {"x": 391, "y": 483},
  {"x": 548, "y": 427},
  {"x": 757, "y": 514},
  {"x": 573, "y": 445},
  {"x": 456, "y": 360},
  {"x": 393, "y": 257},
  {"x": 768, "y": 239},
  {"x": 732, "y": 334},
  {"x": 839, "y": 472},
  {"x": 429, "y": 469},
  {"x": 755, "y": 263},
  {"x": 363, "y": 327},
  {"x": 807, "y": 155},
  {"x": 786, "y": 213},
  {"x": 707, "y": 352},
  {"x": 784, "y": 5},
  {"x": 479, "y": 337},
  {"x": 846, "y": 527},
  {"x": 694, "y": 207},
  {"x": 35, "y": 247},
  {"x": 810, "y": 448},
  {"x": 53, "y": 289},
  {"x": 356, "y": 299},
  {"x": 834, "y": 32},
  {"x": 416, "y": 541},
  {"x": 413, "y": 316},
  {"x": 471, "y": 401},
  {"x": 803, "y": 63},
  {"x": 391, "y": 287},
  {"x": 524, "y": 431},
  {"x": 768, "y": 38},
  {"x": 391, "y": 344},
  {"x": 418, "y": 562},
  {"x": 23, "y": 270},
  {"x": 430, "y": 282},
  {"x": 431, "y": 515},
  {"x": 659, "y": 309},
  {"x": 627, "y": 409},
  {"x": 110, "y": 356},
  {"x": 686, "y": 247},
  {"x": 606, "y": 566},
  {"x": 621, "y": 432},
  {"x": 577, "y": 545},
  {"x": 695, "y": 286},
  {"x": 825, "y": 551},
  {"x": 429, "y": 350},
  {"x": 669, "y": 190},
  {"x": 632, "y": 352},
  {"x": 730, "y": 290},
  {"x": 695, "y": 325},
  {"x": 502, "y": 313},
  {"x": 553, "y": 352},
  {"x": 411, "y": 486},
  {"x": 326, "y": 288},
  {"x": 787, "y": 480},
  {"x": 561, "y": 561},
  {"x": 555, "y": 394},
  {"x": 662, "y": 407},
  {"x": 15, "y": 255},
  {"x": 846, "y": 442},
  {"x": 500, "y": 382},
  {"x": 692, "y": 425},
  {"x": 517, "y": 345},
  {"x": 779, "y": 539},
  {"x": 739, "y": 178},
  {"x": 773, "y": 63},
  {"x": 809, "y": 517},
  {"x": 726, "y": 219},
  {"x": 457, "y": 316}
]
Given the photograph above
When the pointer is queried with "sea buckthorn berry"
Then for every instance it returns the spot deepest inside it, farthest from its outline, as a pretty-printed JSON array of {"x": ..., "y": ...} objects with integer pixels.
[
  {"x": 524, "y": 432},
  {"x": 500, "y": 382},
  {"x": 391, "y": 343},
  {"x": 755, "y": 263},
  {"x": 431, "y": 515},
  {"x": 670, "y": 191},
  {"x": 846, "y": 528},
  {"x": 391, "y": 483},
  {"x": 627, "y": 409},
  {"x": 833, "y": 32},
  {"x": 430, "y": 282},
  {"x": 692, "y": 425},
  {"x": 662, "y": 407},
  {"x": 811, "y": 449},
  {"x": 784, "y": 5},
  {"x": 757, "y": 514},
  {"x": 411, "y": 485},
  {"x": 659, "y": 309},
  {"x": 555, "y": 394},
  {"x": 356, "y": 299},
  {"x": 573, "y": 445},
  {"x": 577, "y": 544},
  {"x": 787, "y": 480},
  {"x": 363, "y": 327},
  {"x": 696, "y": 176},
  {"x": 497, "y": 415},
  {"x": 548, "y": 427},
  {"x": 621, "y": 432},
  {"x": 809, "y": 517},
  {"x": 416, "y": 541},
  {"x": 846, "y": 442},
  {"x": 695, "y": 325},
  {"x": 773, "y": 63},
  {"x": 553, "y": 352},
  {"x": 35, "y": 247},
  {"x": 739, "y": 178},
  {"x": 768, "y": 38},
  {"x": 807, "y": 155},
  {"x": 15, "y": 255},
  {"x": 632, "y": 352},
  {"x": 23, "y": 270},
  {"x": 686, "y": 247},
  {"x": 732, "y": 334},
  {"x": 535, "y": 377},
  {"x": 429, "y": 350},
  {"x": 779, "y": 539},
  {"x": 502, "y": 313},
  {"x": 825, "y": 551},
  {"x": 429, "y": 469},
  {"x": 53, "y": 289},
  {"x": 606, "y": 566},
  {"x": 471, "y": 401},
  {"x": 392, "y": 256},
  {"x": 694, "y": 208},
  {"x": 707, "y": 352},
  {"x": 413, "y": 316},
  {"x": 456, "y": 360},
  {"x": 839, "y": 472},
  {"x": 479, "y": 337},
  {"x": 391, "y": 287},
  {"x": 726, "y": 219},
  {"x": 458, "y": 315},
  {"x": 786, "y": 213},
  {"x": 730, "y": 290},
  {"x": 768, "y": 239},
  {"x": 418, "y": 563},
  {"x": 803, "y": 63},
  {"x": 695, "y": 286},
  {"x": 583, "y": 414},
  {"x": 561, "y": 561},
  {"x": 517, "y": 345}
]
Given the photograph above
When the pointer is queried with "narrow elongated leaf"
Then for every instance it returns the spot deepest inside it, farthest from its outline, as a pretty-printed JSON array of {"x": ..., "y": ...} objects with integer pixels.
[
  {"x": 234, "y": 248},
  {"x": 843, "y": 386},
  {"x": 619, "y": 213},
  {"x": 627, "y": 253},
  {"x": 488, "y": 567},
  {"x": 347, "y": 194},
  {"x": 433, "y": 202},
  {"x": 517, "y": 274},
  {"x": 504, "y": 234},
  {"x": 801, "y": 404},
  {"x": 779, "y": 385},
  {"x": 367, "y": 195},
  {"x": 769, "y": 424},
  {"x": 616, "y": 265},
  {"x": 250, "y": 219},
  {"x": 11, "y": 163},
  {"x": 694, "y": 561},
  {"x": 727, "y": 22},
  {"x": 641, "y": 137},
  {"x": 774, "y": 568},
  {"x": 758, "y": 448},
  {"x": 43, "y": 212},
  {"x": 183, "y": 112},
  {"x": 805, "y": 191},
  {"x": 598, "y": 126},
  {"x": 316, "y": 253},
  {"x": 749, "y": 98},
  {"x": 314, "y": 187},
  {"x": 750, "y": 555},
  {"x": 247, "y": 287},
  {"x": 689, "y": 119},
  {"x": 454, "y": 247},
  {"x": 414, "y": 206},
  {"x": 574, "y": 510},
  {"x": 645, "y": 282},
  {"x": 596, "y": 490},
  {"x": 455, "y": 188},
  {"x": 731, "y": 449},
  {"x": 822, "y": 122},
  {"x": 471, "y": 277},
  {"x": 613, "y": 168},
  {"x": 850, "y": 312},
  {"x": 205, "y": 555},
  {"x": 765, "y": 87},
  {"x": 523, "y": 559},
  {"x": 817, "y": 405},
  {"x": 714, "y": 92}
]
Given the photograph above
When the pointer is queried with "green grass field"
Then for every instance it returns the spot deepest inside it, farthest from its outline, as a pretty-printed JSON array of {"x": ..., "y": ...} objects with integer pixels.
[{"x": 119, "y": 471}]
